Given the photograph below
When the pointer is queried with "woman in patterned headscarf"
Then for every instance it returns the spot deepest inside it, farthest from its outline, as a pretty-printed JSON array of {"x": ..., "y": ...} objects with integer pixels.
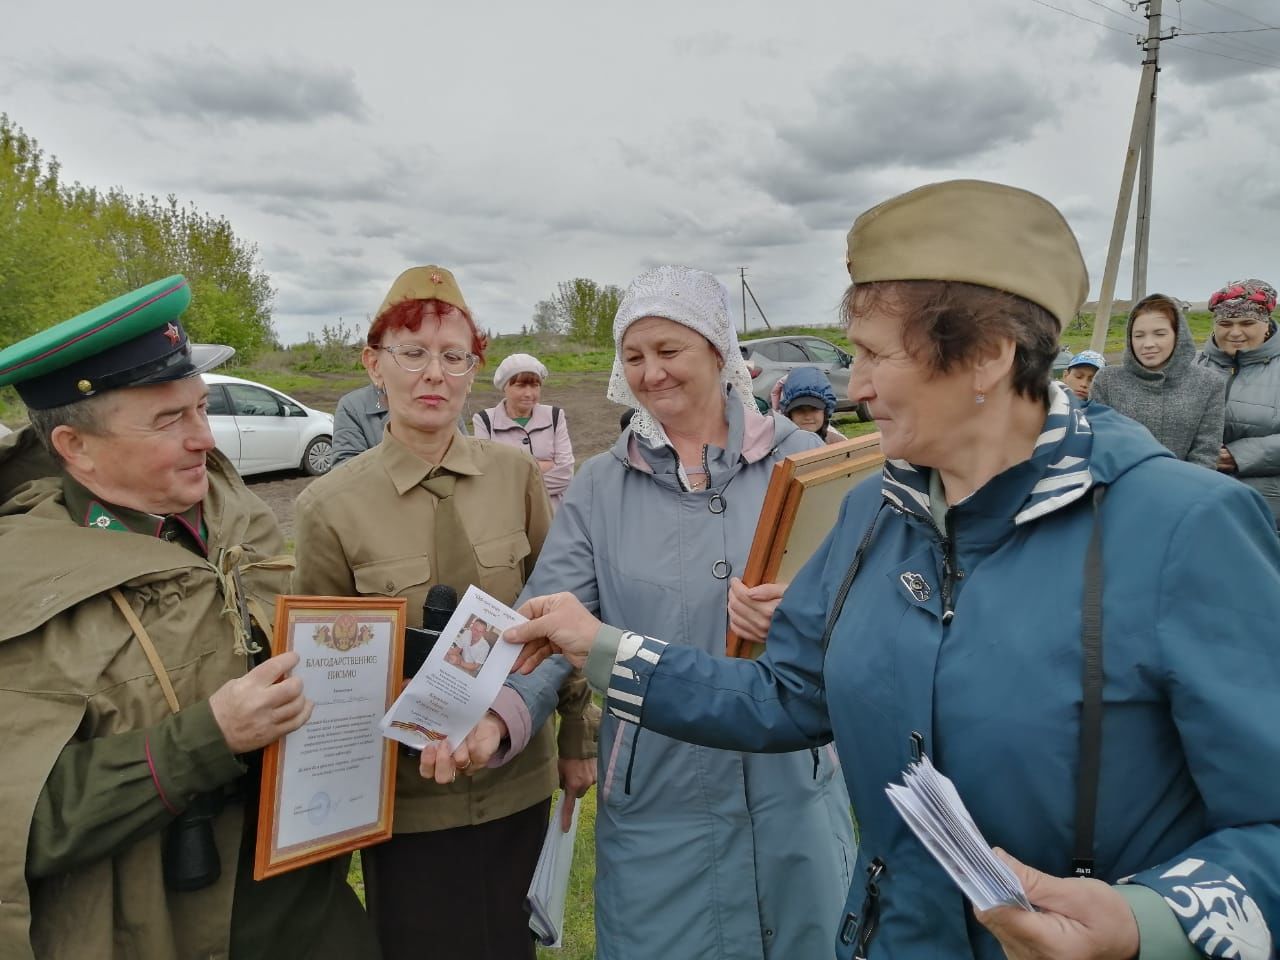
[
  {"x": 1243, "y": 347},
  {"x": 699, "y": 852}
]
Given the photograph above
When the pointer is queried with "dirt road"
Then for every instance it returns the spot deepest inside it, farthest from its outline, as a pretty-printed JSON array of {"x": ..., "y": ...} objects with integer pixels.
[{"x": 592, "y": 420}]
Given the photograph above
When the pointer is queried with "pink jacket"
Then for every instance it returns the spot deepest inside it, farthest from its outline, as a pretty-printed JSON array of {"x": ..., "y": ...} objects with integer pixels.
[{"x": 540, "y": 438}]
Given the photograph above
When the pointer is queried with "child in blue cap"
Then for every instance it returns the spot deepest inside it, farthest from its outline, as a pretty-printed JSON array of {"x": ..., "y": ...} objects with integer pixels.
[
  {"x": 808, "y": 401},
  {"x": 1084, "y": 366}
]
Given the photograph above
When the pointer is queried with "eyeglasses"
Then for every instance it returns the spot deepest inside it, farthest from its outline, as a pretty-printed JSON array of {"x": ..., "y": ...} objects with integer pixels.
[
  {"x": 1247, "y": 324},
  {"x": 414, "y": 359}
]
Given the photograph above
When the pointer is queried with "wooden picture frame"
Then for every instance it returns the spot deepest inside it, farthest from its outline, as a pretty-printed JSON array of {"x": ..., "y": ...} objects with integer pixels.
[
  {"x": 300, "y": 819},
  {"x": 800, "y": 508}
]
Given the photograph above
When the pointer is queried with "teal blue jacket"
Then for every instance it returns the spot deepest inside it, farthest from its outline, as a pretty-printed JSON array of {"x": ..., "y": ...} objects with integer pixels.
[{"x": 964, "y": 641}]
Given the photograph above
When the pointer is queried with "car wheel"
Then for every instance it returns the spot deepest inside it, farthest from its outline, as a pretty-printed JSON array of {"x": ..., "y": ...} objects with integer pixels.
[
  {"x": 318, "y": 457},
  {"x": 863, "y": 412}
]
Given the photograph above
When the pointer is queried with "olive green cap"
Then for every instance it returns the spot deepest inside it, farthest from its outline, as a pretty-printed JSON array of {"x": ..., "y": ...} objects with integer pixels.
[
  {"x": 972, "y": 231},
  {"x": 425, "y": 283}
]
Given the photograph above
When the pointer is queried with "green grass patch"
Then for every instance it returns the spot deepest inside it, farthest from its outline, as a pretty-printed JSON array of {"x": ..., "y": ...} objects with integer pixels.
[
  {"x": 13, "y": 412},
  {"x": 852, "y": 426}
]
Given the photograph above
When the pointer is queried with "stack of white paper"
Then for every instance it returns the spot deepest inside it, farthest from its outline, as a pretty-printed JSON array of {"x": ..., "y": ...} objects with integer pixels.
[
  {"x": 550, "y": 886},
  {"x": 936, "y": 814}
]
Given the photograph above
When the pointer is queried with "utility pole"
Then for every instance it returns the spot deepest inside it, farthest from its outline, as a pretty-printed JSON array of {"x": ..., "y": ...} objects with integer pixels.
[
  {"x": 1142, "y": 234},
  {"x": 746, "y": 289},
  {"x": 1141, "y": 141}
]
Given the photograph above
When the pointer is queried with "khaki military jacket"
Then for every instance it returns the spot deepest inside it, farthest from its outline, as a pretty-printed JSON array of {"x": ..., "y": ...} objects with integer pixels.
[
  {"x": 367, "y": 529},
  {"x": 97, "y": 764}
]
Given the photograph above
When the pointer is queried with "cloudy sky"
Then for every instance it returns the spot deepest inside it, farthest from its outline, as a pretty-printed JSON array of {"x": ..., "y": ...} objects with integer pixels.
[{"x": 522, "y": 144}]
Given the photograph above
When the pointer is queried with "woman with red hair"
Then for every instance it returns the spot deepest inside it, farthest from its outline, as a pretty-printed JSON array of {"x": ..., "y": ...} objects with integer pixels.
[{"x": 430, "y": 506}]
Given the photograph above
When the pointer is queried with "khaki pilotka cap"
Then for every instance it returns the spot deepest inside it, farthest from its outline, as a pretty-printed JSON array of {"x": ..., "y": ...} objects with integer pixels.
[
  {"x": 425, "y": 283},
  {"x": 972, "y": 231}
]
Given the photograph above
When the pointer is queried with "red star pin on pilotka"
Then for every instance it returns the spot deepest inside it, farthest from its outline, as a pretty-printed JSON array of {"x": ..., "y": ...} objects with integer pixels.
[
  {"x": 436, "y": 278},
  {"x": 172, "y": 333}
]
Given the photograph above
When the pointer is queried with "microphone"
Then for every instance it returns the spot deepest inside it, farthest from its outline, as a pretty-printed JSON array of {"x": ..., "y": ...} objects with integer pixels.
[{"x": 441, "y": 601}]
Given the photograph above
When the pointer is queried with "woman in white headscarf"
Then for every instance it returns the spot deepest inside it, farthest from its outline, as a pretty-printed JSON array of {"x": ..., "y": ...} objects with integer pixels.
[
  {"x": 700, "y": 853},
  {"x": 522, "y": 420}
]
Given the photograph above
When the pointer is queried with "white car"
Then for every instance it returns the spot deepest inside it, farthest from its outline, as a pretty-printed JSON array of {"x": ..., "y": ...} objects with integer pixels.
[{"x": 259, "y": 429}]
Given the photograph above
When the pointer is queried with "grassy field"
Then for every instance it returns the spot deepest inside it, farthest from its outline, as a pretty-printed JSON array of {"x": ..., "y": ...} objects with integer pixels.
[{"x": 580, "y": 933}]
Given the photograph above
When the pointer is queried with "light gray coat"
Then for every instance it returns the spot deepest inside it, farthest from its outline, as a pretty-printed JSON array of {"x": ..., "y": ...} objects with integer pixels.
[
  {"x": 1252, "y": 432},
  {"x": 701, "y": 854},
  {"x": 1181, "y": 403}
]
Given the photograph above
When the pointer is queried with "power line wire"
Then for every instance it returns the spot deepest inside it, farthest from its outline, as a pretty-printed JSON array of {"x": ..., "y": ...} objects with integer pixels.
[
  {"x": 1242, "y": 16},
  {"x": 1209, "y": 33},
  {"x": 1099, "y": 23},
  {"x": 1213, "y": 53},
  {"x": 1242, "y": 47},
  {"x": 1114, "y": 12}
]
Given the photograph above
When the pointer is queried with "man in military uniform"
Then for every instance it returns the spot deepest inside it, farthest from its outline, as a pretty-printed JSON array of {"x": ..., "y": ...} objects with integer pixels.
[{"x": 136, "y": 688}]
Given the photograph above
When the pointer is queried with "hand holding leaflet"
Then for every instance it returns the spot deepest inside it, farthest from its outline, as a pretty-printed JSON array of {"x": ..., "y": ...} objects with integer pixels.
[
  {"x": 932, "y": 808},
  {"x": 461, "y": 677}
]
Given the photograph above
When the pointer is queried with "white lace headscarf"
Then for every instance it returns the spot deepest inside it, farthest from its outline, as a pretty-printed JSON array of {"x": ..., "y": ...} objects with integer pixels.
[{"x": 694, "y": 299}]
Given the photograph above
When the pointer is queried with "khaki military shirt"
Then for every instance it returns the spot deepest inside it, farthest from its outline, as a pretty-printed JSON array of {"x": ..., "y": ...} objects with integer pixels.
[{"x": 368, "y": 529}]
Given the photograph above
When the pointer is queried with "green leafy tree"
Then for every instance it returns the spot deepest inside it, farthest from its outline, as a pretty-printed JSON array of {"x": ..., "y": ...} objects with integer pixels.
[
  {"x": 587, "y": 310},
  {"x": 65, "y": 248},
  {"x": 49, "y": 267},
  {"x": 546, "y": 318}
]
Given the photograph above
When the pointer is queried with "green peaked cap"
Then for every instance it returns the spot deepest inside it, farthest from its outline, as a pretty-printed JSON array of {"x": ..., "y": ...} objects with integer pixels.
[{"x": 131, "y": 340}]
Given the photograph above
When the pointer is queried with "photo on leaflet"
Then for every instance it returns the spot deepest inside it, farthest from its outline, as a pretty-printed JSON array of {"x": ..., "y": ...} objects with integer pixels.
[{"x": 470, "y": 648}]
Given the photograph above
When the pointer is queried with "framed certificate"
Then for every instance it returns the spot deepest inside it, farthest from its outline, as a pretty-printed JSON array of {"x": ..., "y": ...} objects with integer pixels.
[
  {"x": 800, "y": 508},
  {"x": 328, "y": 788}
]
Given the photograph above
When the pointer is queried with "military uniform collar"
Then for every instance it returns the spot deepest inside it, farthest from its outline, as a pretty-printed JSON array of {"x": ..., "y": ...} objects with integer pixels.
[
  {"x": 89, "y": 510},
  {"x": 406, "y": 469}
]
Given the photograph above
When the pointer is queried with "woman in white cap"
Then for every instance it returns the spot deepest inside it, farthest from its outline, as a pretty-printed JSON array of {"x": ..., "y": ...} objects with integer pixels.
[
  {"x": 700, "y": 853},
  {"x": 1075, "y": 627},
  {"x": 521, "y": 420}
]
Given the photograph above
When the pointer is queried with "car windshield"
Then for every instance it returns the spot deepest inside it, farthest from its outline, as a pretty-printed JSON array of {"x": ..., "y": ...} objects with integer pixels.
[{"x": 822, "y": 351}]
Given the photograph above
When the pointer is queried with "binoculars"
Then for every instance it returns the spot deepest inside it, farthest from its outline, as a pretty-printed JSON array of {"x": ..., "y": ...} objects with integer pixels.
[{"x": 188, "y": 852}]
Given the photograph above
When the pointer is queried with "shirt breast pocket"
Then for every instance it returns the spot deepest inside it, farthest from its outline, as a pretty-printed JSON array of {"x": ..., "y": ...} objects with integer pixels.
[
  {"x": 391, "y": 578},
  {"x": 501, "y": 562}
]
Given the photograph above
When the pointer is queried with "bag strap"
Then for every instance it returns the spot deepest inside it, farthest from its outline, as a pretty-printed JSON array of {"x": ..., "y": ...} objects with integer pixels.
[
  {"x": 555, "y": 417},
  {"x": 148, "y": 648},
  {"x": 484, "y": 418},
  {"x": 1082, "y": 863},
  {"x": 852, "y": 572}
]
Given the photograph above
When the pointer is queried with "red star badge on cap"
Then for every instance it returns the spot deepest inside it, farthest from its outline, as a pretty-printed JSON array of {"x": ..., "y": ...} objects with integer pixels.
[{"x": 172, "y": 333}]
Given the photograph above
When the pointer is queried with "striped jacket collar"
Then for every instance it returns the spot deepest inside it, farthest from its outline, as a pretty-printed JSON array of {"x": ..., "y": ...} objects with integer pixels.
[{"x": 1061, "y": 453}]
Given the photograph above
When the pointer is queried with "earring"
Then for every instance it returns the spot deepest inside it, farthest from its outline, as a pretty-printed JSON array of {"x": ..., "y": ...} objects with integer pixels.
[
  {"x": 980, "y": 399},
  {"x": 382, "y": 396}
]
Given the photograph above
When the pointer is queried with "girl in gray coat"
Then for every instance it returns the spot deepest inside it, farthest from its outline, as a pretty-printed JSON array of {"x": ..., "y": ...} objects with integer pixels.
[
  {"x": 1160, "y": 386},
  {"x": 701, "y": 854},
  {"x": 1245, "y": 348}
]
